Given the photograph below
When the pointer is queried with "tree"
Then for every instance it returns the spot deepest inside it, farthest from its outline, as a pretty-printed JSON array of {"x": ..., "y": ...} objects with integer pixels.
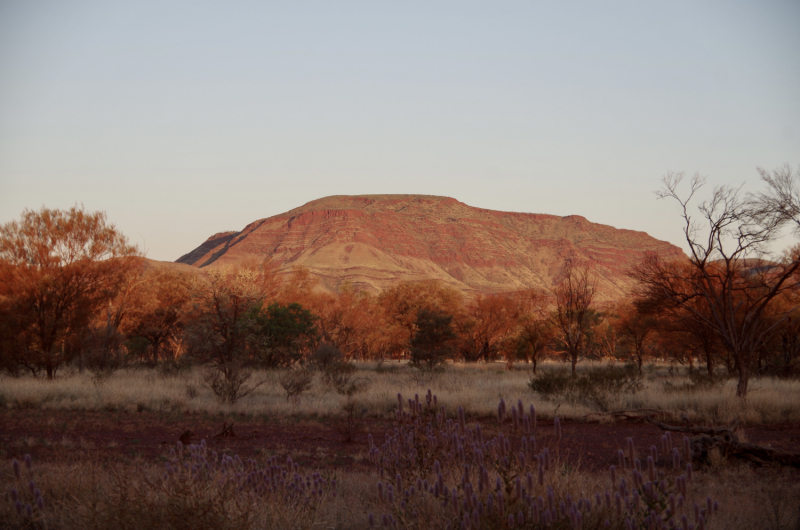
[
  {"x": 573, "y": 316},
  {"x": 221, "y": 328},
  {"x": 432, "y": 342},
  {"x": 780, "y": 204},
  {"x": 357, "y": 324},
  {"x": 282, "y": 332},
  {"x": 634, "y": 328},
  {"x": 486, "y": 321},
  {"x": 403, "y": 302},
  {"x": 57, "y": 269},
  {"x": 534, "y": 338},
  {"x": 678, "y": 326},
  {"x": 158, "y": 313},
  {"x": 726, "y": 283}
]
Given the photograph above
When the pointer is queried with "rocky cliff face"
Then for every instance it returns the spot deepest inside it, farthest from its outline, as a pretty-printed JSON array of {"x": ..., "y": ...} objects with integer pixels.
[{"x": 375, "y": 241}]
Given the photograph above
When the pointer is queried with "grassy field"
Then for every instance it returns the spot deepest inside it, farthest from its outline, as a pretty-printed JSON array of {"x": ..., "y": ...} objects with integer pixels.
[
  {"x": 477, "y": 388},
  {"x": 193, "y": 489},
  {"x": 132, "y": 495}
]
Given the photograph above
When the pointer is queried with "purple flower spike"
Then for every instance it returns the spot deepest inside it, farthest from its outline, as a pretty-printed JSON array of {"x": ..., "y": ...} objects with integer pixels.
[
  {"x": 14, "y": 495},
  {"x": 15, "y": 467},
  {"x": 29, "y": 510},
  {"x": 28, "y": 463},
  {"x": 18, "y": 507},
  {"x": 40, "y": 504}
]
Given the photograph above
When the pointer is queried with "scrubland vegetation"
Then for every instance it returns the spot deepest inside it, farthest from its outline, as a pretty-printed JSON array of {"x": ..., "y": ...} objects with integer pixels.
[
  {"x": 74, "y": 294},
  {"x": 86, "y": 324},
  {"x": 437, "y": 469},
  {"x": 599, "y": 388}
]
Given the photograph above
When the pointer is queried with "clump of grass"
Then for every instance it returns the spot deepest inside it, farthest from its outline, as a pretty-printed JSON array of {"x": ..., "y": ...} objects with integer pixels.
[{"x": 698, "y": 382}]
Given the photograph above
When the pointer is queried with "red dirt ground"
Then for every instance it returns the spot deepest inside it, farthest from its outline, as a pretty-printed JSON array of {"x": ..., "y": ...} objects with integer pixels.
[{"x": 106, "y": 436}]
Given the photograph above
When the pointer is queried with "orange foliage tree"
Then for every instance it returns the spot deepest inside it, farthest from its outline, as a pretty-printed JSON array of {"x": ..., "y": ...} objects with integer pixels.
[
  {"x": 635, "y": 329},
  {"x": 357, "y": 324},
  {"x": 222, "y": 298},
  {"x": 158, "y": 314},
  {"x": 57, "y": 269},
  {"x": 403, "y": 302},
  {"x": 535, "y": 331},
  {"x": 486, "y": 322}
]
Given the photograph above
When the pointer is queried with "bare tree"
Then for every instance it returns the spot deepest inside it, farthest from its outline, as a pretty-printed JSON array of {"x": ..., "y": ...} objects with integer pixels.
[
  {"x": 781, "y": 202},
  {"x": 726, "y": 283},
  {"x": 572, "y": 317}
]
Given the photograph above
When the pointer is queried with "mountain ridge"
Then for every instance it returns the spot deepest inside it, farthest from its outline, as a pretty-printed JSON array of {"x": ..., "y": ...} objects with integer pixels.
[{"x": 375, "y": 241}]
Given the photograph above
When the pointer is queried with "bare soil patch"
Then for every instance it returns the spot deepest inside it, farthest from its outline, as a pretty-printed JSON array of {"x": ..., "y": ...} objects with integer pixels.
[{"x": 315, "y": 442}]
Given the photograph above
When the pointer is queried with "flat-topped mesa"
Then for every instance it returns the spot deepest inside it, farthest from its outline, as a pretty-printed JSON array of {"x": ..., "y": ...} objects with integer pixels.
[{"x": 376, "y": 241}]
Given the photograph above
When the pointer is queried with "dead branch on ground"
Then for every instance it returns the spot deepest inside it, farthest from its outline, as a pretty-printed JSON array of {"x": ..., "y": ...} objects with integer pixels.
[
  {"x": 227, "y": 431},
  {"x": 727, "y": 442}
]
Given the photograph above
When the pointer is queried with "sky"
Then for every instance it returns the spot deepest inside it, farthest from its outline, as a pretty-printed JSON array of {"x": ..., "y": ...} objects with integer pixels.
[{"x": 184, "y": 119}]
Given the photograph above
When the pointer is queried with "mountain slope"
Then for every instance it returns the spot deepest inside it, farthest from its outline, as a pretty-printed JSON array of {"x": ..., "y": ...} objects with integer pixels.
[{"x": 375, "y": 241}]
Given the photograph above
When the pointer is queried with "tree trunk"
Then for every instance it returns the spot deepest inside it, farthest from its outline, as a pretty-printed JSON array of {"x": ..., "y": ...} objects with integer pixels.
[
  {"x": 710, "y": 364},
  {"x": 574, "y": 358},
  {"x": 744, "y": 375}
]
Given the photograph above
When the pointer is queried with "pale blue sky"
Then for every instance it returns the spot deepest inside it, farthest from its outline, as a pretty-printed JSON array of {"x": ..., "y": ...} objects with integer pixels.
[{"x": 182, "y": 119}]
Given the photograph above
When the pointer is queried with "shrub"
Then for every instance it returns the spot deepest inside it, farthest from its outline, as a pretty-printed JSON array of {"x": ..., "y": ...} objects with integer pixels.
[
  {"x": 594, "y": 388},
  {"x": 228, "y": 381},
  {"x": 325, "y": 356},
  {"x": 698, "y": 381},
  {"x": 550, "y": 384},
  {"x": 173, "y": 367},
  {"x": 295, "y": 381},
  {"x": 348, "y": 423}
]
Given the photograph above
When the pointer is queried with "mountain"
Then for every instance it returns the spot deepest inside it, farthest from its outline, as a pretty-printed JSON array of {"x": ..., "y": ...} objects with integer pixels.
[{"x": 375, "y": 241}]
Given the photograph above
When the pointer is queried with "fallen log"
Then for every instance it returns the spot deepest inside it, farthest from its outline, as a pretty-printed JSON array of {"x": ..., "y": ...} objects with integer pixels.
[
  {"x": 694, "y": 429},
  {"x": 632, "y": 415},
  {"x": 726, "y": 441}
]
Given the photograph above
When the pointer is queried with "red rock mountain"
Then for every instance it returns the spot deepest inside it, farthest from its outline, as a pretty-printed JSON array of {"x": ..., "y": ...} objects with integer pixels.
[{"x": 375, "y": 241}]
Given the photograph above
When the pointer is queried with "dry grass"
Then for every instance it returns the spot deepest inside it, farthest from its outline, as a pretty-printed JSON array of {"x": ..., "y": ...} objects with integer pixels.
[
  {"x": 476, "y": 387},
  {"x": 135, "y": 495},
  {"x": 132, "y": 495}
]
